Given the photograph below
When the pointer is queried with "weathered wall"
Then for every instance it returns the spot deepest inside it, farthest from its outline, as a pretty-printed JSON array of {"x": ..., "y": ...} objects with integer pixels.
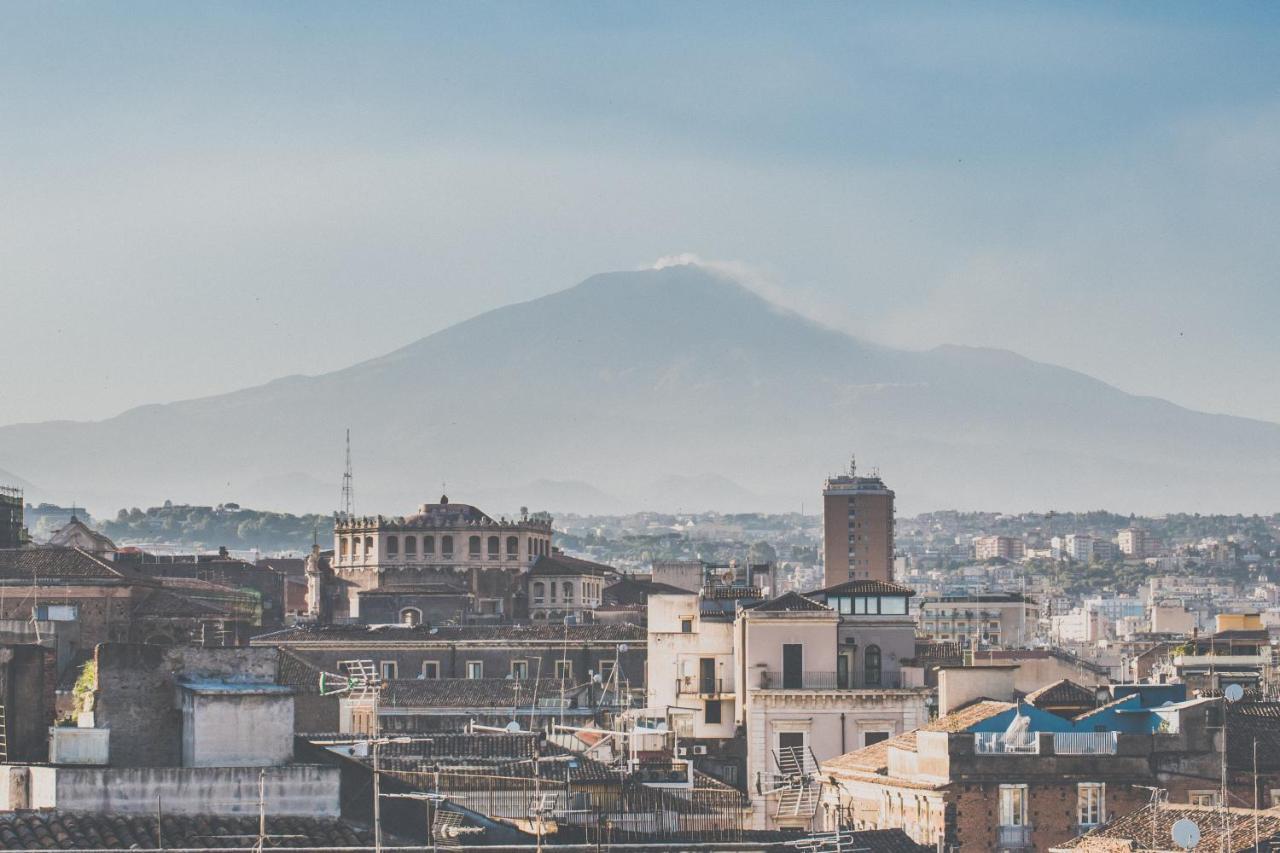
[
  {"x": 236, "y": 730},
  {"x": 28, "y": 676},
  {"x": 297, "y": 790},
  {"x": 136, "y": 694}
]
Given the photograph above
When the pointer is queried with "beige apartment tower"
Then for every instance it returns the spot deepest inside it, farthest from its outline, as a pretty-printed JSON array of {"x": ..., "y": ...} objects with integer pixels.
[{"x": 857, "y": 528}]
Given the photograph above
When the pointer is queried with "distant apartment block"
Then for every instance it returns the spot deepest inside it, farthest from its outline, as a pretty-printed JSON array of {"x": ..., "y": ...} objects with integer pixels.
[
  {"x": 1135, "y": 542},
  {"x": 1006, "y": 620},
  {"x": 857, "y": 532},
  {"x": 1006, "y": 547},
  {"x": 10, "y": 517}
]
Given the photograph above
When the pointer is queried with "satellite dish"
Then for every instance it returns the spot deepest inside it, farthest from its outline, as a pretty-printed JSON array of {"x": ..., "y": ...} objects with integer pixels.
[
  {"x": 513, "y": 727},
  {"x": 1186, "y": 834},
  {"x": 434, "y": 631},
  {"x": 623, "y": 647},
  {"x": 596, "y": 678},
  {"x": 1234, "y": 693}
]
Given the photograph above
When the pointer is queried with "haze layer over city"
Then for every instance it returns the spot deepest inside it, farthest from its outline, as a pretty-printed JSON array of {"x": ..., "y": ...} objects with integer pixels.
[{"x": 681, "y": 427}]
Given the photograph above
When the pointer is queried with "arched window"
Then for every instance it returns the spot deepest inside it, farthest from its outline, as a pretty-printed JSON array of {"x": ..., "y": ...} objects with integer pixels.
[
  {"x": 473, "y": 546},
  {"x": 493, "y": 547},
  {"x": 539, "y": 591},
  {"x": 428, "y": 545},
  {"x": 411, "y": 546},
  {"x": 342, "y": 547},
  {"x": 446, "y": 546},
  {"x": 368, "y": 547},
  {"x": 871, "y": 666},
  {"x": 568, "y": 590},
  {"x": 393, "y": 546},
  {"x": 411, "y": 616},
  {"x": 513, "y": 547}
]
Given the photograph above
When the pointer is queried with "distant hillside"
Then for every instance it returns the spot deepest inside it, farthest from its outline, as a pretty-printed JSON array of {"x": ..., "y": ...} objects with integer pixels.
[
  {"x": 675, "y": 376},
  {"x": 204, "y": 528}
]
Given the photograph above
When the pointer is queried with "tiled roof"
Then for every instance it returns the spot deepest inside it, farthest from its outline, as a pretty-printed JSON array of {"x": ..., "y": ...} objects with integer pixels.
[
  {"x": 46, "y": 563},
  {"x": 790, "y": 602},
  {"x": 875, "y": 758},
  {"x": 165, "y": 604},
  {"x": 446, "y": 514},
  {"x": 562, "y": 564},
  {"x": 1062, "y": 692},
  {"x": 1249, "y": 722},
  {"x": 1136, "y": 828},
  {"x": 470, "y": 692},
  {"x": 302, "y": 634},
  {"x": 865, "y": 587},
  {"x": 297, "y": 672},
  {"x": 885, "y": 841},
  {"x": 59, "y": 831}
]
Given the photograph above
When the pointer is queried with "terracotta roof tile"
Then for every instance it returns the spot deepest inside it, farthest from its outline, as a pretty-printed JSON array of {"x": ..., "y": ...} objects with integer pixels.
[
  {"x": 1135, "y": 828},
  {"x": 62, "y": 831}
]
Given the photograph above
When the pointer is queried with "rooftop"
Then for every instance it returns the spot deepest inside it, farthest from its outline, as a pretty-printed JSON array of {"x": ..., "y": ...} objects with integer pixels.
[
  {"x": 54, "y": 563},
  {"x": 789, "y": 602},
  {"x": 1138, "y": 827},
  {"x": 59, "y": 831},
  {"x": 562, "y": 564},
  {"x": 301, "y": 635},
  {"x": 865, "y": 587}
]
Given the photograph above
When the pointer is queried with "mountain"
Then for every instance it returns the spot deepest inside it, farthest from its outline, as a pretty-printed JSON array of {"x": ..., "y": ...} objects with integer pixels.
[{"x": 631, "y": 378}]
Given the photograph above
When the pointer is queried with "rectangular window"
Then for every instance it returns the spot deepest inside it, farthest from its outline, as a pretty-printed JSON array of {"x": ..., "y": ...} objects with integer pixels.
[
  {"x": 893, "y": 605},
  {"x": 389, "y": 669},
  {"x": 686, "y": 626},
  {"x": 860, "y": 605},
  {"x": 430, "y": 669},
  {"x": 1204, "y": 798},
  {"x": 845, "y": 605},
  {"x": 606, "y": 671},
  {"x": 711, "y": 714},
  {"x": 1089, "y": 799},
  {"x": 792, "y": 666},
  {"x": 564, "y": 670},
  {"x": 869, "y": 738},
  {"x": 791, "y": 745},
  {"x": 1013, "y": 805},
  {"x": 519, "y": 670},
  {"x": 475, "y": 669},
  {"x": 428, "y": 544}
]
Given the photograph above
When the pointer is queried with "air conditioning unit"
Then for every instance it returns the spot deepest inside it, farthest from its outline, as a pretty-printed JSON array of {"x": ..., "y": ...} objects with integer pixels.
[
  {"x": 682, "y": 751},
  {"x": 700, "y": 749}
]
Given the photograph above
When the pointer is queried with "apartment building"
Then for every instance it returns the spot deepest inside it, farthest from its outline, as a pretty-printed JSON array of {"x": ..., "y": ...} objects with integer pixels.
[
  {"x": 997, "y": 619},
  {"x": 1005, "y": 547},
  {"x": 857, "y": 529},
  {"x": 784, "y": 683}
]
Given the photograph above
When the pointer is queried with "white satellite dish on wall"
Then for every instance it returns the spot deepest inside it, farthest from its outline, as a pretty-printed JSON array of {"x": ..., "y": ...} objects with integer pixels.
[
  {"x": 1234, "y": 693},
  {"x": 1186, "y": 834}
]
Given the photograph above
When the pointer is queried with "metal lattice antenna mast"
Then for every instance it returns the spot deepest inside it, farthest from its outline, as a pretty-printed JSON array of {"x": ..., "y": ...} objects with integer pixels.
[{"x": 348, "y": 489}]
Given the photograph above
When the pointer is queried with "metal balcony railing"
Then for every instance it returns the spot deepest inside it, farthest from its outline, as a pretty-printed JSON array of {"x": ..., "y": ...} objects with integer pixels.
[
  {"x": 1085, "y": 743},
  {"x": 696, "y": 686},
  {"x": 1004, "y": 743},
  {"x": 1015, "y": 837}
]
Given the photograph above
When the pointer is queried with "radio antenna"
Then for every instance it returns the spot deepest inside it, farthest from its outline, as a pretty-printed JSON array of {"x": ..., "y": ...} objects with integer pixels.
[{"x": 348, "y": 489}]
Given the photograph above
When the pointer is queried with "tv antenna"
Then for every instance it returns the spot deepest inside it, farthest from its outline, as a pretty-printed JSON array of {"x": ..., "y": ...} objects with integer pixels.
[{"x": 348, "y": 489}]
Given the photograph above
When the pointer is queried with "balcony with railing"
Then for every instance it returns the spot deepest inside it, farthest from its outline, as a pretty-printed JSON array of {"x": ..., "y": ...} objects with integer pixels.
[
  {"x": 1013, "y": 837},
  {"x": 1006, "y": 743},
  {"x": 1085, "y": 743},
  {"x": 698, "y": 686},
  {"x": 884, "y": 679}
]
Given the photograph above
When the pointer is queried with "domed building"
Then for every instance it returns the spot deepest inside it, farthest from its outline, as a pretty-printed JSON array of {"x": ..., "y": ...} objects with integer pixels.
[{"x": 445, "y": 557}]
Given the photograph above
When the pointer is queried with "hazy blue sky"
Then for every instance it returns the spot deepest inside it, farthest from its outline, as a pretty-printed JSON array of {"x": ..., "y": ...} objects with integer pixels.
[{"x": 195, "y": 197}]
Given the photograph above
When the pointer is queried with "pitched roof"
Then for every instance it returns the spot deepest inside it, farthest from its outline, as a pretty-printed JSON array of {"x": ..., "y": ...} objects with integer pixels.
[
  {"x": 1136, "y": 828},
  {"x": 1062, "y": 692},
  {"x": 424, "y": 588},
  {"x": 875, "y": 758},
  {"x": 790, "y": 602},
  {"x": 53, "y": 563},
  {"x": 563, "y": 564},
  {"x": 93, "y": 831},
  {"x": 864, "y": 587},
  {"x": 75, "y": 530},
  {"x": 162, "y": 603}
]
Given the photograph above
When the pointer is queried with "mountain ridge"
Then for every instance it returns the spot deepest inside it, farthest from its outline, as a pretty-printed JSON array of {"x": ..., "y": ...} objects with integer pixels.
[{"x": 629, "y": 377}]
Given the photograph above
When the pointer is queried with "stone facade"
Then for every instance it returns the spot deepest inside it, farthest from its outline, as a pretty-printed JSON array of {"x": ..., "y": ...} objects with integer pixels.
[{"x": 441, "y": 543}]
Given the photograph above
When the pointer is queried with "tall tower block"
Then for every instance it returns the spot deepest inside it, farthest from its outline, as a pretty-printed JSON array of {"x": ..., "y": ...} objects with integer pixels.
[{"x": 857, "y": 528}]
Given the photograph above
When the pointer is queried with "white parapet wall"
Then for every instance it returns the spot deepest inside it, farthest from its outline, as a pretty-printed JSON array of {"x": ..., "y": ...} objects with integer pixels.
[
  {"x": 75, "y": 745},
  {"x": 299, "y": 790}
]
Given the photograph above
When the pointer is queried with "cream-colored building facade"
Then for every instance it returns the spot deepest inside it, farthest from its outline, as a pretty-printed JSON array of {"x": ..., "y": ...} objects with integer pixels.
[{"x": 442, "y": 541}]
